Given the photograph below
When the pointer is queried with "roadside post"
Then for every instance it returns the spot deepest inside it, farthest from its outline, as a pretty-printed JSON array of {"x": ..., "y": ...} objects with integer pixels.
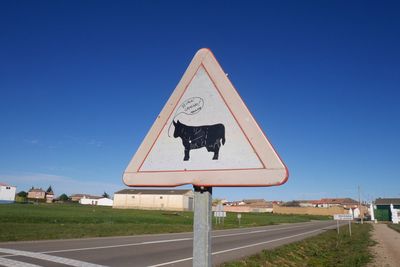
[
  {"x": 219, "y": 214},
  {"x": 205, "y": 136},
  {"x": 343, "y": 217},
  {"x": 239, "y": 216},
  {"x": 337, "y": 226},
  {"x": 350, "y": 227}
]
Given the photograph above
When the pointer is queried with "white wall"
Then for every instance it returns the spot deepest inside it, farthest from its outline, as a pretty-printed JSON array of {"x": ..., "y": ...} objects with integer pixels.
[
  {"x": 98, "y": 201},
  {"x": 106, "y": 202},
  {"x": 147, "y": 201},
  {"x": 355, "y": 212},
  {"x": 395, "y": 214},
  {"x": 7, "y": 193}
]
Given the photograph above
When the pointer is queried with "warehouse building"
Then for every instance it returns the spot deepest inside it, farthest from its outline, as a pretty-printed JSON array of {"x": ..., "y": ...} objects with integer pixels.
[{"x": 160, "y": 199}]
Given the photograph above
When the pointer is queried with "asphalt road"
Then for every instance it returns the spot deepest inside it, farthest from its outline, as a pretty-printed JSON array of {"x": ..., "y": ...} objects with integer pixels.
[{"x": 153, "y": 250}]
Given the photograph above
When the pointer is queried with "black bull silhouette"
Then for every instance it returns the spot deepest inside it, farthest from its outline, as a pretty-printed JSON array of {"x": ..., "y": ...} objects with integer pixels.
[{"x": 194, "y": 137}]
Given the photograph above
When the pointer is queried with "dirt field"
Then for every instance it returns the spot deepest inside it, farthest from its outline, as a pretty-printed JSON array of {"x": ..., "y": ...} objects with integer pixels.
[{"x": 387, "y": 251}]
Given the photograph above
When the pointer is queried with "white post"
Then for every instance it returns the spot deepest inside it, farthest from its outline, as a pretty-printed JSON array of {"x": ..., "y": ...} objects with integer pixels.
[
  {"x": 371, "y": 207},
  {"x": 359, "y": 205},
  {"x": 337, "y": 226},
  {"x": 350, "y": 227},
  {"x": 202, "y": 226}
]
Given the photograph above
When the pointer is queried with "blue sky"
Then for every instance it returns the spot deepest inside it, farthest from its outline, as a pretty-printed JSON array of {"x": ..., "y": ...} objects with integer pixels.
[{"x": 81, "y": 83}]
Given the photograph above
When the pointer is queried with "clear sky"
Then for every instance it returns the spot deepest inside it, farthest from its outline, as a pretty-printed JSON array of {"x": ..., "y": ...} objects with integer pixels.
[{"x": 81, "y": 83}]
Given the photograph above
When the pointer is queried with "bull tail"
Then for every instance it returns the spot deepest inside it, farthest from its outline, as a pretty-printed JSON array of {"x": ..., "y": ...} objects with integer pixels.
[{"x": 223, "y": 134}]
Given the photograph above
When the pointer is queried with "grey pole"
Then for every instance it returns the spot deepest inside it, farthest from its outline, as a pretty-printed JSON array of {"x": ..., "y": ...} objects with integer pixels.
[
  {"x": 350, "y": 227},
  {"x": 202, "y": 226},
  {"x": 359, "y": 206},
  {"x": 337, "y": 226}
]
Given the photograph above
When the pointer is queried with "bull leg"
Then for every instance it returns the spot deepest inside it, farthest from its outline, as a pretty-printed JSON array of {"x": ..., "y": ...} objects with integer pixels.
[
  {"x": 216, "y": 151},
  {"x": 186, "y": 158}
]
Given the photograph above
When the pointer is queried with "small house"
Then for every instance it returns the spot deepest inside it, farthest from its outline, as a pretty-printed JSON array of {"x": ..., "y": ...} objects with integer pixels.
[
  {"x": 36, "y": 194},
  {"x": 7, "y": 193}
]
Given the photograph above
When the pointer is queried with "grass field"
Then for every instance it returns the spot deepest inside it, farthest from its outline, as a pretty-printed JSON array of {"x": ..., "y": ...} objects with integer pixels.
[
  {"x": 395, "y": 227},
  {"x": 326, "y": 249},
  {"x": 56, "y": 221}
]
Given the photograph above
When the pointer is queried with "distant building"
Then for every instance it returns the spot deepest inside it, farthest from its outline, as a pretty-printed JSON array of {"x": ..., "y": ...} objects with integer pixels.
[
  {"x": 154, "y": 199},
  {"x": 96, "y": 201},
  {"x": 253, "y": 201},
  {"x": 346, "y": 203},
  {"x": 7, "y": 193},
  {"x": 324, "y": 206},
  {"x": 49, "y": 195},
  {"x": 37, "y": 194},
  {"x": 248, "y": 205},
  {"x": 383, "y": 210},
  {"x": 234, "y": 203},
  {"x": 306, "y": 203},
  {"x": 77, "y": 197}
]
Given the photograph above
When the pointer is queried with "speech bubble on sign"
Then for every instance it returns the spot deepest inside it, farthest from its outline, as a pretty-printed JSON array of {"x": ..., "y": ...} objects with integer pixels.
[{"x": 191, "y": 106}]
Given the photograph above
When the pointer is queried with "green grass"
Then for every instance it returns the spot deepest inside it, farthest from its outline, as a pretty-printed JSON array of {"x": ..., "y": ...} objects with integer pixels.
[
  {"x": 395, "y": 227},
  {"x": 56, "y": 221},
  {"x": 262, "y": 219},
  {"x": 326, "y": 249}
]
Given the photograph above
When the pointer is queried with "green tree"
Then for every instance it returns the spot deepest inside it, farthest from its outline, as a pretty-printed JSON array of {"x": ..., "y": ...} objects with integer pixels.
[
  {"x": 64, "y": 197},
  {"x": 216, "y": 201},
  {"x": 106, "y": 195},
  {"x": 22, "y": 194},
  {"x": 21, "y": 197}
]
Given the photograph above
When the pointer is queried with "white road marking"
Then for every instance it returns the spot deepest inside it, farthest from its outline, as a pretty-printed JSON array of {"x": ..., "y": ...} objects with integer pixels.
[
  {"x": 265, "y": 242},
  {"x": 71, "y": 262},
  {"x": 41, "y": 256},
  {"x": 165, "y": 241},
  {"x": 238, "y": 248},
  {"x": 258, "y": 231},
  {"x": 13, "y": 263},
  {"x": 119, "y": 246},
  {"x": 171, "y": 262}
]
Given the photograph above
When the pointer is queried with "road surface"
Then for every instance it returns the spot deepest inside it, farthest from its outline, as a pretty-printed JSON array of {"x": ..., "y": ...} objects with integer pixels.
[{"x": 153, "y": 250}]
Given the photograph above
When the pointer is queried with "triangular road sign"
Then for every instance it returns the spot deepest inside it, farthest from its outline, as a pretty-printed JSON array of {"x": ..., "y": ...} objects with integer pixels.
[{"x": 205, "y": 136}]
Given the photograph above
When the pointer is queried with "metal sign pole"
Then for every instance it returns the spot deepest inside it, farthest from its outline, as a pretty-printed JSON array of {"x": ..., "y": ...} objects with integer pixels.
[
  {"x": 202, "y": 226},
  {"x": 350, "y": 227},
  {"x": 337, "y": 226}
]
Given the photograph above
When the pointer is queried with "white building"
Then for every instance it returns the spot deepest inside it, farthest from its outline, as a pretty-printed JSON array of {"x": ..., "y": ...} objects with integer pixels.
[
  {"x": 7, "y": 193},
  {"x": 160, "y": 199},
  {"x": 97, "y": 201}
]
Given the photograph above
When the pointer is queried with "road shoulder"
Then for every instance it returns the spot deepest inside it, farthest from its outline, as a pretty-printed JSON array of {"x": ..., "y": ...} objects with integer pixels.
[{"x": 386, "y": 251}]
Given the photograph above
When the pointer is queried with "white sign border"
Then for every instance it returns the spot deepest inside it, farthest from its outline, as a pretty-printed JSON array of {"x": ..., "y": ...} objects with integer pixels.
[{"x": 274, "y": 173}]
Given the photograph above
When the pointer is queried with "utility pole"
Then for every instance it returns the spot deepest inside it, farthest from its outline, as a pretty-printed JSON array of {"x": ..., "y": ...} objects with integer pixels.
[{"x": 359, "y": 205}]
